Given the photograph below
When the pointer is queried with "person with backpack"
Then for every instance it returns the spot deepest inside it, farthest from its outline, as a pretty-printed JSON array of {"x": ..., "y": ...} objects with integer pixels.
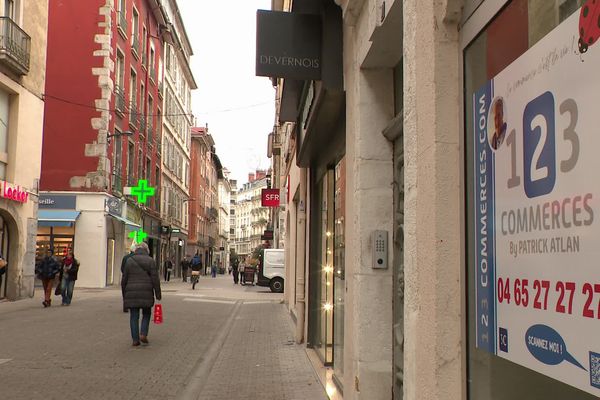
[{"x": 196, "y": 268}]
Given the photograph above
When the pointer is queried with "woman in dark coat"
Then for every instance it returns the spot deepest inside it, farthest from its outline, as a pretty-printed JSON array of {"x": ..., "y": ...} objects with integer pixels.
[
  {"x": 46, "y": 271},
  {"x": 140, "y": 285}
]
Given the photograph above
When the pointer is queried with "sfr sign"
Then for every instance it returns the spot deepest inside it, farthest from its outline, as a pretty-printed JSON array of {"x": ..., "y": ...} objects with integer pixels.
[{"x": 270, "y": 198}]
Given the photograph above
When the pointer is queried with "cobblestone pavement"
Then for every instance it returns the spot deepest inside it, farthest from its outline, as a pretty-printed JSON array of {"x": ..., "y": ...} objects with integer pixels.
[
  {"x": 84, "y": 351},
  {"x": 260, "y": 360}
]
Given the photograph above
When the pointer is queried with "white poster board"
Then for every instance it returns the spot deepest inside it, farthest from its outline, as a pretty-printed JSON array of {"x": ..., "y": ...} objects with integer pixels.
[{"x": 537, "y": 210}]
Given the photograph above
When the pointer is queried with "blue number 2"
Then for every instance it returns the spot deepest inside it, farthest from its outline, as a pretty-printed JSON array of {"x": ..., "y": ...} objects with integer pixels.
[{"x": 539, "y": 151}]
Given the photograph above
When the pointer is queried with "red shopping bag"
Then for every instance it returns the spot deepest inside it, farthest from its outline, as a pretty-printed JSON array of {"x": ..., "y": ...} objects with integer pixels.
[{"x": 158, "y": 315}]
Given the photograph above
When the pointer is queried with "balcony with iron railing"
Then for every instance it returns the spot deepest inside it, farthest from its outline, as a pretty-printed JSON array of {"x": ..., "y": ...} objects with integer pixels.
[
  {"x": 117, "y": 181},
  {"x": 150, "y": 130},
  {"x": 212, "y": 213},
  {"x": 133, "y": 115},
  {"x": 142, "y": 125},
  {"x": 122, "y": 23},
  {"x": 153, "y": 73},
  {"x": 15, "y": 46},
  {"x": 135, "y": 46},
  {"x": 119, "y": 100}
]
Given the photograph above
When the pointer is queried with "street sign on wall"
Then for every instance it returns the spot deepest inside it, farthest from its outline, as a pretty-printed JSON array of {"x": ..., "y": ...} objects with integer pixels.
[
  {"x": 270, "y": 197},
  {"x": 535, "y": 141}
]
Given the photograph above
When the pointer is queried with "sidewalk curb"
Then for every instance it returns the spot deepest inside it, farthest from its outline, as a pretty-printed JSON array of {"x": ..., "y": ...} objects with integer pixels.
[{"x": 197, "y": 378}]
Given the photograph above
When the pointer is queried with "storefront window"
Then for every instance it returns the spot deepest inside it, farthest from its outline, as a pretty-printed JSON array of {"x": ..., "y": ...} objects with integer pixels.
[
  {"x": 323, "y": 270},
  {"x": 515, "y": 30},
  {"x": 339, "y": 279},
  {"x": 56, "y": 238}
]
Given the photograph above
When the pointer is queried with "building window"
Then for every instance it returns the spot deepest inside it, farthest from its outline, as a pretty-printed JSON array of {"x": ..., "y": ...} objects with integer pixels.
[
  {"x": 135, "y": 32},
  {"x": 507, "y": 37},
  {"x": 4, "y": 124},
  {"x": 11, "y": 10},
  {"x": 133, "y": 90},
  {"x": 140, "y": 174},
  {"x": 117, "y": 162},
  {"x": 130, "y": 163},
  {"x": 322, "y": 269}
]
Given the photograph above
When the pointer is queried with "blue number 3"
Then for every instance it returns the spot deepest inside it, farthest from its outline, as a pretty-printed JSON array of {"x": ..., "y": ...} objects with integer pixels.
[{"x": 539, "y": 150}]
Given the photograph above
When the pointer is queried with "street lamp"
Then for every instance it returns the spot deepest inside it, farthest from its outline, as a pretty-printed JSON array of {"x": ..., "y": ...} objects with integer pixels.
[{"x": 118, "y": 134}]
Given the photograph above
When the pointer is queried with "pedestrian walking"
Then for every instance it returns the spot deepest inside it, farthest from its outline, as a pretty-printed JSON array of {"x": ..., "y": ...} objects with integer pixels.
[
  {"x": 124, "y": 261},
  {"x": 185, "y": 266},
  {"x": 70, "y": 268},
  {"x": 235, "y": 272},
  {"x": 213, "y": 270},
  {"x": 140, "y": 286},
  {"x": 3, "y": 267},
  {"x": 46, "y": 271},
  {"x": 168, "y": 268},
  {"x": 242, "y": 277}
]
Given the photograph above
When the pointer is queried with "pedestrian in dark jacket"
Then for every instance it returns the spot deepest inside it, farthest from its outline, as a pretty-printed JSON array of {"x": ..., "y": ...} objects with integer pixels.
[
  {"x": 3, "y": 266},
  {"x": 46, "y": 271},
  {"x": 140, "y": 285},
  {"x": 70, "y": 268},
  {"x": 168, "y": 268},
  {"x": 234, "y": 267},
  {"x": 185, "y": 266},
  {"x": 196, "y": 268},
  {"x": 124, "y": 261}
]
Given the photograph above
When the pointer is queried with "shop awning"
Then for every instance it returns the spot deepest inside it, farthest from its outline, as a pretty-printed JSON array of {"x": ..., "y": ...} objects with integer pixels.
[
  {"x": 57, "y": 217},
  {"x": 125, "y": 221}
]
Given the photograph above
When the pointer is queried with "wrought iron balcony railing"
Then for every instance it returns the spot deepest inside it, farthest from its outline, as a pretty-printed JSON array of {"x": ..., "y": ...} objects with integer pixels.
[
  {"x": 142, "y": 124},
  {"x": 153, "y": 73},
  {"x": 117, "y": 183},
  {"x": 15, "y": 46},
  {"x": 133, "y": 115},
  {"x": 135, "y": 46},
  {"x": 119, "y": 99},
  {"x": 150, "y": 130}
]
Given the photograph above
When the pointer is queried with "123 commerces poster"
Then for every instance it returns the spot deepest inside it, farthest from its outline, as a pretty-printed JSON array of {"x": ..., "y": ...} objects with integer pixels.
[{"x": 537, "y": 208}]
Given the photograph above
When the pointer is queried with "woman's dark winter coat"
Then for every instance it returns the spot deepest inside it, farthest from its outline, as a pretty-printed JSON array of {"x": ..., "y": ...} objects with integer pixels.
[
  {"x": 47, "y": 268},
  {"x": 140, "y": 283}
]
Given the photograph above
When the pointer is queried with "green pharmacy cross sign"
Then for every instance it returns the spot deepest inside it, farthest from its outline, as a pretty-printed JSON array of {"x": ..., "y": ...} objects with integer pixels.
[
  {"x": 138, "y": 236},
  {"x": 142, "y": 191}
]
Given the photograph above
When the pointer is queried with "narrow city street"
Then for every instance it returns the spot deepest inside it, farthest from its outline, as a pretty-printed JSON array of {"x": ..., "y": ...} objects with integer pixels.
[{"x": 220, "y": 341}]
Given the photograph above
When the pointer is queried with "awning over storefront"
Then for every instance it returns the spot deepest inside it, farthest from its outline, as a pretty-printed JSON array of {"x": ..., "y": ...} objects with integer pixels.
[
  {"x": 57, "y": 217},
  {"x": 126, "y": 221}
]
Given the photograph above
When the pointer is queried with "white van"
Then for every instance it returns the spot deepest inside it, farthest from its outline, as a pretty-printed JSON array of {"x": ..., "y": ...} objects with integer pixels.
[{"x": 271, "y": 270}]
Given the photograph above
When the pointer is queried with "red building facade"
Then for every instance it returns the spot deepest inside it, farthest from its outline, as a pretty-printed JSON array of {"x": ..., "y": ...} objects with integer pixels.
[
  {"x": 102, "y": 125},
  {"x": 201, "y": 223}
]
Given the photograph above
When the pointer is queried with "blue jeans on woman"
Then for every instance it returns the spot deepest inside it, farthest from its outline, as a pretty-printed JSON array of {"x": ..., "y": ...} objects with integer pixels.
[
  {"x": 66, "y": 288},
  {"x": 134, "y": 320}
]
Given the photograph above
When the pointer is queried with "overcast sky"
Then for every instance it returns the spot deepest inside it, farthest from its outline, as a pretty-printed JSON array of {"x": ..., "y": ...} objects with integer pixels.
[{"x": 237, "y": 105}]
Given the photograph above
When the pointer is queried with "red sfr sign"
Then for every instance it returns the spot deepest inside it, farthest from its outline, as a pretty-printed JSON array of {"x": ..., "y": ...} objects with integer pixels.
[{"x": 270, "y": 198}]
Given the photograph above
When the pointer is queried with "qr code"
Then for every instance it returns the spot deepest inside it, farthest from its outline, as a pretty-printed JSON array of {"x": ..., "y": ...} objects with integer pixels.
[{"x": 595, "y": 369}]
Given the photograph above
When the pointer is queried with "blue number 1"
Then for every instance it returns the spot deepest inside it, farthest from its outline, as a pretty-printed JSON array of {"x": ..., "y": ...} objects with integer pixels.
[{"x": 539, "y": 151}]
